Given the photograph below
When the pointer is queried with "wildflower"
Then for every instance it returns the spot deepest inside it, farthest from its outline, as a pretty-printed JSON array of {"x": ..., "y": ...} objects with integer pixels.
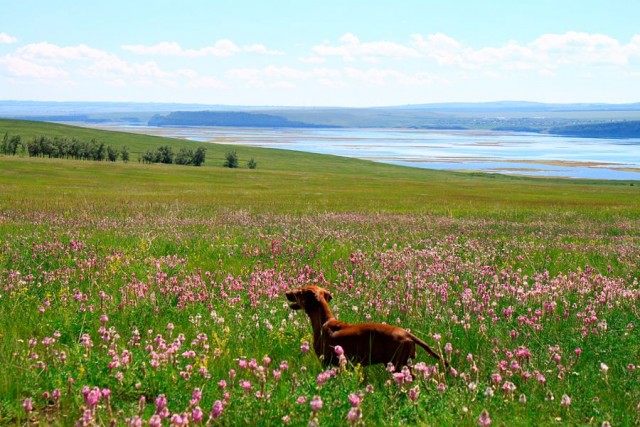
[
  {"x": 604, "y": 368},
  {"x": 222, "y": 384},
  {"x": 448, "y": 348},
  {"x": 197, "y": 415},
  {"x": 316, "y": 403},
  {"x": 161, "y": 403},
  {"x": 354, "y": 400},
  {"x": 300, "y": 400},
  {"x": 399, "y": 378},
  {"x": 508, "y": 387},
  {"x": 523, "y": 399},
  {"x": 217, "y": 409},
  {"x": 437, "y": 337},
  {"x": 155, "y": 421},
  {"x": 338, "y": 350},
  {"x": 286, "y": 419},
  {"x": 565, "y": 400},
  {"x": 369, "y": 388},
  {"x": 245, "y": 385},
  {"x": 176, "y": 420},
  {"x": 196, "y": 396},
  {"x": 484, "y": 419},
  {"x": 27, "y": 404},
  {"x": 354, "y": 415},
  {"x": 304, "y": 347},
  {"x": 414, "y": 393},
  {"x": 104, "y": 318},
  {"x": 489, "y": 392}
]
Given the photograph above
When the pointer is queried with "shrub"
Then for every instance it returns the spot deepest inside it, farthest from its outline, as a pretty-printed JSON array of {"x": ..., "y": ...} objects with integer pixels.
[
  {"x": 251, "y": 164},
  {"x": 231, "y": 160}
]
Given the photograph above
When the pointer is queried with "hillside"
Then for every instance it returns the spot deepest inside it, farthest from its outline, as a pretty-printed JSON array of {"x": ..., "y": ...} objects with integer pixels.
[
  {"x": 228, "y": 118},
  {"x": 627, "y": 129}
]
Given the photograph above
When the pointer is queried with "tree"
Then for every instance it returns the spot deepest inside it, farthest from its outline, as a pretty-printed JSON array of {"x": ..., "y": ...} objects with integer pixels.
[
  {"x": 125, "y": 154},
  {"x": 112, "y": 154},
  {"x": 231, "y": 160},
  {"x": 184, "y": 157},
  {"x": 165, "y": 154},
  {"x": 251, "y": 164},
  {"x": 198, "y": 157}
]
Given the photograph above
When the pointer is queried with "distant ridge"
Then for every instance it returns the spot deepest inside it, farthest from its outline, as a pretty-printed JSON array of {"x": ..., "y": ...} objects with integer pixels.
[
  {"x": 516, "y": 106},
  {"x": 230, "y": 119}
]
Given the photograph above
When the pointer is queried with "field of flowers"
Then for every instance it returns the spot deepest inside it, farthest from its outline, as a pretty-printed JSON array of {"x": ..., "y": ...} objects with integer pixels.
[{"x": 165, "y": 318}]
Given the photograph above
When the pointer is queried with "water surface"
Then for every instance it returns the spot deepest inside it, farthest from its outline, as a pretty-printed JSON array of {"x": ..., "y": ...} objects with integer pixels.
[{"x": 486, "y": 151}]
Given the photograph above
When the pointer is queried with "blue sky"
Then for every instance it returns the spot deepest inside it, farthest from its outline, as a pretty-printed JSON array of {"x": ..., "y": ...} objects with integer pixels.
[{"x": 324, "y": 53}]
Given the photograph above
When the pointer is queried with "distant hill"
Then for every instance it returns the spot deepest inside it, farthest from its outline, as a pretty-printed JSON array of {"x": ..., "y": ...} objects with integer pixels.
[
  {"x": 516, "y": 106},
  {"x": 229, "y": 118},
  {"x": 512, "y": 116},
  {"x": 627, "y": 129}
]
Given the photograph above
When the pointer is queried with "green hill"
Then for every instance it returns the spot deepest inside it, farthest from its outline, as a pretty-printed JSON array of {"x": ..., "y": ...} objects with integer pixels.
[{"x": 284, "y": 181}]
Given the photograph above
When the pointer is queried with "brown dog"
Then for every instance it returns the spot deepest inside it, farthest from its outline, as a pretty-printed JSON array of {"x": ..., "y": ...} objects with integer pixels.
[{"x": 364, "y": 343}]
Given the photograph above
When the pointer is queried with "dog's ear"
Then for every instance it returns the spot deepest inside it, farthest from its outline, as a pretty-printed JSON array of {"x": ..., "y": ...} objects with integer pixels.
[{"x": 327, "y": 296}]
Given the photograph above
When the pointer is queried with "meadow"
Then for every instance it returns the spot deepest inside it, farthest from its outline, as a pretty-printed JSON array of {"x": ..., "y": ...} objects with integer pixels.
[{"x": 154, "y": 294}]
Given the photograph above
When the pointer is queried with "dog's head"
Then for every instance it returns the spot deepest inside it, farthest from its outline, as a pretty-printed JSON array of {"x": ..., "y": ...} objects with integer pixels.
[{"x": 305, "y": 297}]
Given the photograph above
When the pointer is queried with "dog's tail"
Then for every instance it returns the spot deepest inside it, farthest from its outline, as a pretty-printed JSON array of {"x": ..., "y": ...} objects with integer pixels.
[{"x": 428, "y": 349}]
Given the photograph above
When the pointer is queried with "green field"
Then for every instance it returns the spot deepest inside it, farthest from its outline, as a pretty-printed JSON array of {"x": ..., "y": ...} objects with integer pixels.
[{"x": 124, "y": 284}]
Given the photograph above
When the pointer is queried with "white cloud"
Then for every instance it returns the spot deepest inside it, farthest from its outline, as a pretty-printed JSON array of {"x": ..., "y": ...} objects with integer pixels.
[
  {"x": 351, "y": 49},
  {"x": 7, "y": 39},
  {"x": 163, "y": 48},
  {"x": 20, "y": 67},
  {"x": 221, "y": 48}
]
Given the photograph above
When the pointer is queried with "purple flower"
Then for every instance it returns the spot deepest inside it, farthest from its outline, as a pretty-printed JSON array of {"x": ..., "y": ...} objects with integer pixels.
[
  {"x": 217, "y": 409},
  {"x": 316, "y": 403},
  {"x": 197, "y": 415},
  {"x": 354, "y": 400},
  {"x": 484, "y": 419},
  {"x": 27, "y": 404}
]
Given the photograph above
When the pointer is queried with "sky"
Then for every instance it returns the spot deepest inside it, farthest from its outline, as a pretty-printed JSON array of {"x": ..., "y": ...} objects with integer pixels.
[{"x": 350, "y": 53}]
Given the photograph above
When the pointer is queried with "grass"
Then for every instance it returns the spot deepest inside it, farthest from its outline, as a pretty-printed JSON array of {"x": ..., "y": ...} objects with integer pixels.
[{"x": 145, "y": 281}]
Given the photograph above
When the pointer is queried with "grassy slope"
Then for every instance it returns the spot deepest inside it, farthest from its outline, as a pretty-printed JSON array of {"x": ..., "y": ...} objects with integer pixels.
[{"x": 284, "y": 181}]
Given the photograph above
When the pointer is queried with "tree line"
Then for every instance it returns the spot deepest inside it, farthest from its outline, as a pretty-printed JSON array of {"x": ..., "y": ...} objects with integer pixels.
[
  {"x": 185, "y": 156},
  {"x": 60, "y": 147}
]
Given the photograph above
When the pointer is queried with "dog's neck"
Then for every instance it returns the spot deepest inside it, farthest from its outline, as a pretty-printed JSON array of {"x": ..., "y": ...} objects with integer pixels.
[{"x": 319, "y": 314}]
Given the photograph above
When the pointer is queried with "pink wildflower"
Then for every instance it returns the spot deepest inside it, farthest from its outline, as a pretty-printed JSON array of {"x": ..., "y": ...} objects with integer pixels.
[
  {"x": 27, "y": 404},
  {"x": 197, "y": 415},
  {"x": 484, "y": 419},
  {"x": 316, "y": 403},
  {"x": 354, "y": 415},
  {"x": 217, "y": 409},
  {"x": 354, "y": 400},
  {"x": 304, "y": 347}
]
